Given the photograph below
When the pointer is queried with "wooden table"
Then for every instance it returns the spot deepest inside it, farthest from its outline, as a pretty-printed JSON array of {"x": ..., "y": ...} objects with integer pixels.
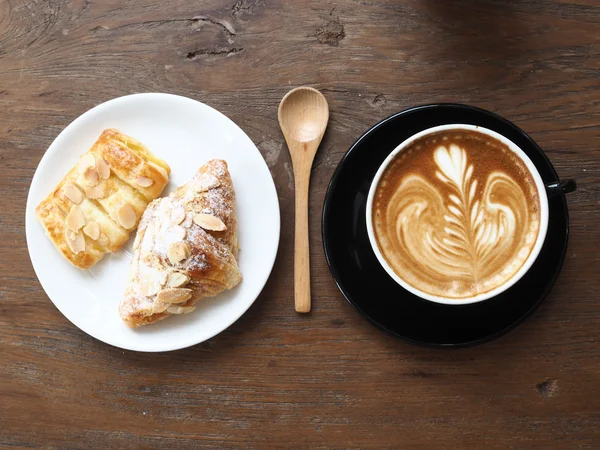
[{"x": 276, "y": 378}]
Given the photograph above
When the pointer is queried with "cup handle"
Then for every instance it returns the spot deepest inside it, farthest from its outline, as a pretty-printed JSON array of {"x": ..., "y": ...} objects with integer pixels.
[{"x": 561, "y": 187}]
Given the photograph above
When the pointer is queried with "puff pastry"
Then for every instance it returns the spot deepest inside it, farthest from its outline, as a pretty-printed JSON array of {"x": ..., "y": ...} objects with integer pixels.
[
  {"x": 98, "y": 203},
  {"x": 186, "y": 249}
]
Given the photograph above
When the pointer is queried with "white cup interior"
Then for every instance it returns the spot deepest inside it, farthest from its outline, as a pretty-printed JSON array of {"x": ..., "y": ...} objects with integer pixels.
[{"x": 534, "y": 252}]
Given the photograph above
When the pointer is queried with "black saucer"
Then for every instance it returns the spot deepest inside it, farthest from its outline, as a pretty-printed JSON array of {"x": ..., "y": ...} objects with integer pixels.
[{"x": 374, "y": 294}]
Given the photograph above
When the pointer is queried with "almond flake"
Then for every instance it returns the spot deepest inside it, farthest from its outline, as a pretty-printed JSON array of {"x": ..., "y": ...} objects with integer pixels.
[
  {"x": 87, "y": 160},
  {"x": 148, "y": 239},
  {"x": 187, "y": 222},
  {"x": 174, "y": 295},
  {"x": 91, "y": 176},
  {"x": 138, "y": 239},
  {"x": 208, "y": 182},
  {"x": 159, "y": 307},
  {"x": 103, "y": 240},
  {"x": 178, "y": 214},
  {"x": 126, "y": 216},
  {"x": 178, "y": 251},
  {"x": 161, "y": 277},
  {"x": 180, "y": 309},
  {"x": 149, "y": 286},
  {"x": 75, "y": 241},
  {"x": 94, "y": 192},
  {"x": 177, "y": 279},
  {"x": 73, "y": 193},
  {"x": 177, "y": 233},
  {"x": 92, "y": 229},
  {"x": 75, "y": 219},
  {"x": 209, "y": 222},
  {"x": 103, "y": 168},
  {"x": 144, "y": 181}
]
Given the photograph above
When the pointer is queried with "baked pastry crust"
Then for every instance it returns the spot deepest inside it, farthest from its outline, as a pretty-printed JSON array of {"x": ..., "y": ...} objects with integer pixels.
[
  {"x": 97, "y": 205},
  {"x": 186, "y": 249}
]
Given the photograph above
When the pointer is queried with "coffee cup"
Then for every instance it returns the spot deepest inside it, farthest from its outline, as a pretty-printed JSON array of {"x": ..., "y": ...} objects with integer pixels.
[{"x": 457, "y": 214}]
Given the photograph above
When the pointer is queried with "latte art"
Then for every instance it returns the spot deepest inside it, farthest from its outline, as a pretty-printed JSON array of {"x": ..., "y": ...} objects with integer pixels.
[{"x": 454, "y": 219}]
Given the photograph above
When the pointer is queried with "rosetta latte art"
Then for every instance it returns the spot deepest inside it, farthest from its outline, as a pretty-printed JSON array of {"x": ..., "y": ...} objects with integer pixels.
[{"x": 457, "y": 237}]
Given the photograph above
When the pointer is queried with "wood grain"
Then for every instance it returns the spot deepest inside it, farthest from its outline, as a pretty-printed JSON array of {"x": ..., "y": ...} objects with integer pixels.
[
  {"x": 275, "y": 378},
  {"x": 303, "y": 115}
]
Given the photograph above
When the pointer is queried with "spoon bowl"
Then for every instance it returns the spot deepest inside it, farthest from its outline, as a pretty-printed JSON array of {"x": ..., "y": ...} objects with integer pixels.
[{"x": 303, "y": 114}]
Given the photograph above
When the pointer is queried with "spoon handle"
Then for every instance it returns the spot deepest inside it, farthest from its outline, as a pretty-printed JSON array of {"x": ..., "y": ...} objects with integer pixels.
[{"x": 301, "y": 251}]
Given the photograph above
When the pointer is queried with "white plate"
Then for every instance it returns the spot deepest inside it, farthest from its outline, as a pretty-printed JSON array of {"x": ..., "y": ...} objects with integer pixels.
[{"x": 186, "y": 134}]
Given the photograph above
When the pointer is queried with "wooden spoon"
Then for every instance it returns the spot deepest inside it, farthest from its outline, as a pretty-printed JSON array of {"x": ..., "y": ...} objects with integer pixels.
[{"x": 303, "y": 115}]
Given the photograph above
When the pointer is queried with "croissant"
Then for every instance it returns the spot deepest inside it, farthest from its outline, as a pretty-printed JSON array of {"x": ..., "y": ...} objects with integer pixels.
[
  {"x": 186, "y": 249},
  {"x": 97, "y": 204}
]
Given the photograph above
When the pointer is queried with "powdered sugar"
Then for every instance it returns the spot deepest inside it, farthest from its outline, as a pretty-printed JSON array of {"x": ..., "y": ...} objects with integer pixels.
[{"x": 170, "y": 221}]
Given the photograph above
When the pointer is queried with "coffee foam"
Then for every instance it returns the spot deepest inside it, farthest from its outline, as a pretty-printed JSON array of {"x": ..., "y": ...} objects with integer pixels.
[{"x": 456, "y": 214}]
